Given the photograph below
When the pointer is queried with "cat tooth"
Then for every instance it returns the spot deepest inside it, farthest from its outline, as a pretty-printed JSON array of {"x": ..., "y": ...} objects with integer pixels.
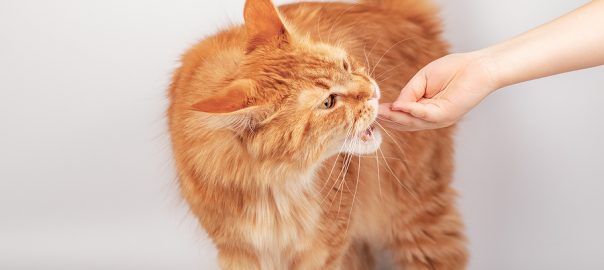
[{"x": 366, "y": 136}]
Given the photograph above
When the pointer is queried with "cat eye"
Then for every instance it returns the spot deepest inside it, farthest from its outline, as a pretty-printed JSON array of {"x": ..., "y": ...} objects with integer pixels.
[
  {"x": 346, "y": 65},
  {"x": 329, "y": 102}
]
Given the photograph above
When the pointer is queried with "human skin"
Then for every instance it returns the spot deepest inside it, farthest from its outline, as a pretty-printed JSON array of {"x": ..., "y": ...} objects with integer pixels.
[{"x": 449, "y": 87}]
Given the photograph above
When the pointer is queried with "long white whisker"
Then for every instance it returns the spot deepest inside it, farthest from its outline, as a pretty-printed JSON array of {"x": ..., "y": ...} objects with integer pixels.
[
  {"x": 388, "y": 120},
  {"x": 333, "y": 24},
  {"x": 342, "y": 183},
  {"x": 399, "y": 180},
  {"x": 365, "y": 53},
  {"x": 388, "y": 50},
  {"x": 378, "y": 77},
  {"x": 356, "y": 187},
  {"x": 335, "y": 162},
  {"x": 319, "y": 28},
  {"x": 397, "y": 145},
  {"x": 348, "y": 132},
  {"x": 377, "y": 161},
  {"x": 335, "y": 182}
]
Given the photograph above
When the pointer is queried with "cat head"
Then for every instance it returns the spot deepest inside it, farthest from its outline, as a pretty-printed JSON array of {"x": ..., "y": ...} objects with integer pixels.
[{"x": 293, "y": 99}]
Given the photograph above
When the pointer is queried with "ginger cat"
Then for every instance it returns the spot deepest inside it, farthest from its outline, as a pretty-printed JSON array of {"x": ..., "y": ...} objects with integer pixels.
[{"x": 278, "y": 151}]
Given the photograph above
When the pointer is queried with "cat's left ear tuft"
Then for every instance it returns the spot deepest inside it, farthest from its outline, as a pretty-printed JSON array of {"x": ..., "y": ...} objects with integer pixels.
[
  {"x": 230, "y": 108},
  {"x": 263, "y": 23},
  {"x": 231, "y": 99}
]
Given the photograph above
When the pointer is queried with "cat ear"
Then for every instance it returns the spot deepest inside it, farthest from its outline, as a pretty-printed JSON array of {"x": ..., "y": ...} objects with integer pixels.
[
  {"x": 230, "y": 99},
  {"x": 262, "y": 22},
  {"x": 230, "y": 108}
]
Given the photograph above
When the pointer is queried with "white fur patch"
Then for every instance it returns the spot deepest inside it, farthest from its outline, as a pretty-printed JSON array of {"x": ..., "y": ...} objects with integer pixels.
[{"x": 282, "y": 229}]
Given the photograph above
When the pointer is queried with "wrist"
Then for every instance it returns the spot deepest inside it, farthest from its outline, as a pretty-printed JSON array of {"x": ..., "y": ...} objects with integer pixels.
[{"x": 486, "y": 65}]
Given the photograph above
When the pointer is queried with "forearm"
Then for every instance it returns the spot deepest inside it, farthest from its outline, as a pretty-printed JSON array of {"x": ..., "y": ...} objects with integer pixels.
[{"x": 573, "y": 41}]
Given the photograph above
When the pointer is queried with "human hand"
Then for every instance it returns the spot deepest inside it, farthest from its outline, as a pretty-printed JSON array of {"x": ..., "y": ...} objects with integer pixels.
[{"x": 441, "y": 93}]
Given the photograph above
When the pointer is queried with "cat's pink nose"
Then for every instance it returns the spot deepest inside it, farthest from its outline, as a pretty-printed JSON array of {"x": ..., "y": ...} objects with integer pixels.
[{"x": 375, "y": 89}]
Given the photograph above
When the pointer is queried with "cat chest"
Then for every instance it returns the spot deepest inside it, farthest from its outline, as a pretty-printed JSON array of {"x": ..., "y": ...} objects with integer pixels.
[{"x": 281, "y": 223}]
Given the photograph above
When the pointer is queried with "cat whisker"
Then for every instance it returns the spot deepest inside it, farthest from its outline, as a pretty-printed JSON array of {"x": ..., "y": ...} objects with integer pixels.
[
  {"x": 318, "y": 28},
  {"x": 387, "y": 51},
  {"x": 365, "y": 54},
  {"x": 389, "y": 121},
  {"x": 373, "y": 156},
  {"x": 397, "y": 145},
  {"x": 371, "y": 51},
  {"x": 379, "y": 76},
  {"x": 330, "y": 172},
  {"x": 334, "y": 23},
  {"x": 344, "y": 170},
  {"x": 384, "y": 80},
  {"x": 335, "y": 182},
  {"x": 346, "y": 137},
  {"x": 393, "y": 158},
  {"x": 356, "y": 187},
  {"x": 374, "y": 44},
  {"x": 377, "y": 162},
  {"x": 405, "y": 187},
  {"x": 344, "y": 177},
  {"x": 336, "y": 161},
  {"x": 347, "y": 28}
]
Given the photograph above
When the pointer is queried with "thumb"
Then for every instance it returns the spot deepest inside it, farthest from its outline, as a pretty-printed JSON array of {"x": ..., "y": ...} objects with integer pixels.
[{"x": 411, "y": 93}]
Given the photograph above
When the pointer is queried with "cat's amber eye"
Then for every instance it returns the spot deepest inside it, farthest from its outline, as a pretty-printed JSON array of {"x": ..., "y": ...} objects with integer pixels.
[
  {"x": 329, "y": 102},
  {"x": 346, "y": 65}
]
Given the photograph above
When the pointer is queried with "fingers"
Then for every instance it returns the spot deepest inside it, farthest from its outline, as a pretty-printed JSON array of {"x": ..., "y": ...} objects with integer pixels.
[
  {"x": 423, "y": 103},
  {"x": 413, "y": 91},
  {"x": 431, "y": 110},
  {"x": 403, "y": 121},
  {"x": 415, "y": 109}
]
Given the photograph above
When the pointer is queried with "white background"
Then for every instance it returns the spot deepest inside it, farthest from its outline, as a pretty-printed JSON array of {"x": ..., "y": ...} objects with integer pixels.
[{"x": 86, "y": 180}]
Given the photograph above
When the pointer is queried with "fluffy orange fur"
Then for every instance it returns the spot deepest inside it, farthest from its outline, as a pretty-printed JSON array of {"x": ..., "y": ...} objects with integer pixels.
[{"x": 276, "y": 145}]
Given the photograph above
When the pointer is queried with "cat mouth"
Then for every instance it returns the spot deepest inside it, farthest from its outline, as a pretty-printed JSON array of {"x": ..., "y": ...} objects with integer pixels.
[
  {"x": 365, "y": 141},
  {"x": 368, "y": 134}
]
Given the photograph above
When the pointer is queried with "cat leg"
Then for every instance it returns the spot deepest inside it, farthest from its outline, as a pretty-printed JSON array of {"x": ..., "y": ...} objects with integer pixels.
[
  {"x": 234, "y": 258},
  {"x": 311, "y": 259},
  {"x": 358, "y": 257},
  {"x": 431, "y": 239},
  {"x": 323, "y": 257}
]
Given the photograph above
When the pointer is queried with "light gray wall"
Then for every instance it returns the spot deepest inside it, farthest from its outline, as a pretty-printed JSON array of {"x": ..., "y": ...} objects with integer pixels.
[
  {"x": 530, "y": 159},
  {"x": 86, "y": 180}
]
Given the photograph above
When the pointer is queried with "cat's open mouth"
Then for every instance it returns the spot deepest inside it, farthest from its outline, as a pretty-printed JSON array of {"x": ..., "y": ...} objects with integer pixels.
[
  {"x": 365, "y": 142},
  {"x": 367, "y": 135}
]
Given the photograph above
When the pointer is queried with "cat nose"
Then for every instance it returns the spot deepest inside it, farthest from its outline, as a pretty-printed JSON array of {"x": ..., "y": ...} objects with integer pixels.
[{"x": 375, "y": 90}]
